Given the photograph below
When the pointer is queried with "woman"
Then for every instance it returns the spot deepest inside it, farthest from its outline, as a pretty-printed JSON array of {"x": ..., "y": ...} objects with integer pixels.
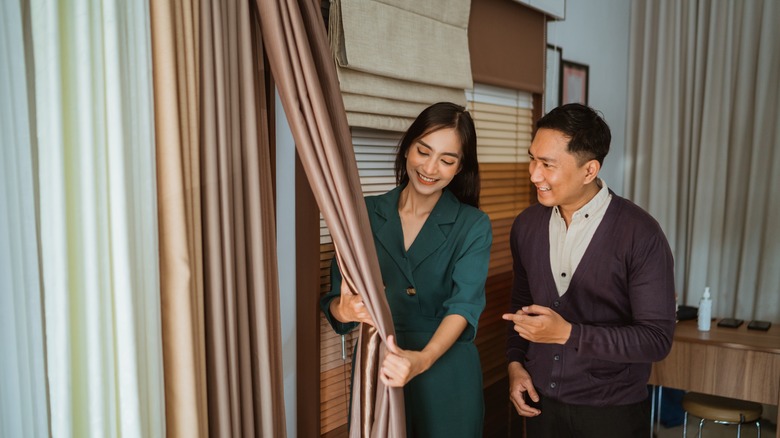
[{"x": 433, "y": 246}]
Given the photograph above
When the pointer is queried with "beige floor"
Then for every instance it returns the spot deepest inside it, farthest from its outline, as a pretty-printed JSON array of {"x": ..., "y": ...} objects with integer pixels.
[{"x": 768, "y": 430}]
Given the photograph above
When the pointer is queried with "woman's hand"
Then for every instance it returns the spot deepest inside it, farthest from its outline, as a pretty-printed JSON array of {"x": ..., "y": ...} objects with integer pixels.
[
  {"x": 349, "y": 307},
  {"x": 400, "y": 366}
]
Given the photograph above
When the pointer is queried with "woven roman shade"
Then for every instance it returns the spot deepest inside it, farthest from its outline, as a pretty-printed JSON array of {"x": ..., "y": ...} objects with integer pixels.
[{"x": 396, "y": 57}]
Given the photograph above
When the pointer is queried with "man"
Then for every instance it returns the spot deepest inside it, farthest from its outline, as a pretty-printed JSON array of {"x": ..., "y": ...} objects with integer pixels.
[{"x": 593, "y": 291}]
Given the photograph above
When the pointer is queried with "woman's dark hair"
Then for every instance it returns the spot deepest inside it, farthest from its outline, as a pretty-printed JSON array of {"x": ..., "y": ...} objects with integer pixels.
[
  {"x": 588, "y": 133},
  {"x": 465, "y": 184}
]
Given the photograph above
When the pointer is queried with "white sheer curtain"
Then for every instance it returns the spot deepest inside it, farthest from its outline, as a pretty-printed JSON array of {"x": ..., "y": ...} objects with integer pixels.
[
  {"x": 703, "y": 135},
  {"x": 98, "y": 233},
  {"x": 23, "y": 401}
]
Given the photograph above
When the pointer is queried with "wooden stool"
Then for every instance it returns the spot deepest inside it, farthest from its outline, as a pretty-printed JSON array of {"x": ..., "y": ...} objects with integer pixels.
[{"x": 720, "y": 410}]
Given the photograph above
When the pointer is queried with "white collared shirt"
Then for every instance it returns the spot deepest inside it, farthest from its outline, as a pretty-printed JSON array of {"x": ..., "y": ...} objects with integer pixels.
[{"x": 567, "y": 245}]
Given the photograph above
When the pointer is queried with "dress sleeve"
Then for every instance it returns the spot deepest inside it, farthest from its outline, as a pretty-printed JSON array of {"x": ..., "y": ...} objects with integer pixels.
[
  {"x": 469, "y": 275},
  {"x": 335, "y": 290}
]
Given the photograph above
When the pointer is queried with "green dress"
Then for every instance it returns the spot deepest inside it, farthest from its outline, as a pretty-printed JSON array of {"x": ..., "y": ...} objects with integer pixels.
[{"x": 443, "y": 273}]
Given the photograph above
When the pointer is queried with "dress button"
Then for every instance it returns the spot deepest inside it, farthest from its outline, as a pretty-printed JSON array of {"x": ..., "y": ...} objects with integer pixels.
[
  {"x": 553, "y": 385},
  {"x": 557, "y": 357},
  {"x": 563, "y": 274},
  {"x": 556, "y": 303},
  {"x": 410, "y": 291}
]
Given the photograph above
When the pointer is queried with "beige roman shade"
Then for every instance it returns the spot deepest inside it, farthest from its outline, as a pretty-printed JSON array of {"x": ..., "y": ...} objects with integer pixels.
[{"x": 396, "y": 57}]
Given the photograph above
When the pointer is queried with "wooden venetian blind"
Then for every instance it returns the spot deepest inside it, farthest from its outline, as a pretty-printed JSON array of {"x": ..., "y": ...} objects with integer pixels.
[
  {"x": 504, "y": 122},
  {"x": 375, "y": 155}
]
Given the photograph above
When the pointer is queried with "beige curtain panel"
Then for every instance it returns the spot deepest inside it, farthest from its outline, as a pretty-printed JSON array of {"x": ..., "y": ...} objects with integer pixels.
[
  {"x": 297, "y": 47},
  {"x": 703, "y": 116},
  {"x": 396, "y": 57},
  {"x": 175, "y": 49}
]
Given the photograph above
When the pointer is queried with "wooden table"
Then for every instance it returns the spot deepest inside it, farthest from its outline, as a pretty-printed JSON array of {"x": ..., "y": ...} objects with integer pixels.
[{"x": 735, "y": 363}]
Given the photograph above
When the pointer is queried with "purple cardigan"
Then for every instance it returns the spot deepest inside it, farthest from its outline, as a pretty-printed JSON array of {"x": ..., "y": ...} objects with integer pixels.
[{"x": 620, "y": 303}]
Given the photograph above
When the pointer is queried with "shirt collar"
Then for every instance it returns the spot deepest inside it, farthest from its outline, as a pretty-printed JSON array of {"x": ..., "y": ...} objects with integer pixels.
[{"x": 598, "y": 203}]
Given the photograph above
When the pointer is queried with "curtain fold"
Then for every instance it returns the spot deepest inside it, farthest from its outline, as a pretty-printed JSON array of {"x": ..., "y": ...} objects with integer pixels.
[
  {"x": 175, "y": 49},
  {"x": 703, "y": 115},
  {"x": 296, "y": 43},
  {"x": 23, "y": 391},
  {"x": 243, "y": 340}
]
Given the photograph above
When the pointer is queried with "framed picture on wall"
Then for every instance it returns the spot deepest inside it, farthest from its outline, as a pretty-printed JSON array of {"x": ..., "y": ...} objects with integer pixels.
[
  {"x": 574, "y": 83},
  {"x": 552, "y": 96}
]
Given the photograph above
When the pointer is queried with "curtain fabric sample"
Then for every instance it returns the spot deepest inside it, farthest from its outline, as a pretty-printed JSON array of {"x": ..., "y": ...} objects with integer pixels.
[
  {"x": 175, "y": 48},
  {"x": 23, "y": 393},
  {"x": 704, "y": 111},
  {"x": 98, "y": 217},
  {"x": 396, "y": 57},
  {"x": 297, "y": 49},
  {"x": 422, "y": 42},
  {"x": 243, "y": 340}
]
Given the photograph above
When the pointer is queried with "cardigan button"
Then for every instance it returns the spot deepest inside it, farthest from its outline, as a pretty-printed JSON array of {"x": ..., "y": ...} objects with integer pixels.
[
  {"x": 410, "y": 291},
  {"x": 556, "y": 303}
]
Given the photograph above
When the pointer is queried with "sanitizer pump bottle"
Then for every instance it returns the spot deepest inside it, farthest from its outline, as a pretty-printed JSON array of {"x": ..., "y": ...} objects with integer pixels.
[{"x": 705, "y": 311}]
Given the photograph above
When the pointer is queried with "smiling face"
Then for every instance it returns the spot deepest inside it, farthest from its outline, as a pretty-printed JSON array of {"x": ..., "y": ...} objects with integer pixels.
[
  {"x": 433, "y": 160},
  {"x": 559, "y": 176}
]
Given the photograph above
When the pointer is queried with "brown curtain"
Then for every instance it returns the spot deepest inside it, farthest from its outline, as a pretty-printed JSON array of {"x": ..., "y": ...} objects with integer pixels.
[
  {"x": 219, "y": 288},
  {"x": 296, "y": 42},
  {"x": 243, "y": 341},
  {"x": 175, "y": 51},
  {"x": 220, "y": 297}
]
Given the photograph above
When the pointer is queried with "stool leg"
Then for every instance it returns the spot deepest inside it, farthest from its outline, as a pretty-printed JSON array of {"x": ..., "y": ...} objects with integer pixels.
[
  {"x": 652, "y": 411},
  {"x": 701, "y": 426},
  {"x": 685, "y": 425},
  {"x": 658, "y": 416},
  {"x": 758, "y": 428},
  {"x": 739, "y": 430}
]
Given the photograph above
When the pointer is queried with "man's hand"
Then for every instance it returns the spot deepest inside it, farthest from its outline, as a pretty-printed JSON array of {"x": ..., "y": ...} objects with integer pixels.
[
  {"x": 400, "y": 366},
  {"x": 540, "y": 324},
  {"x": 349, "y": 307},
  {"x": 520, "y": 383}
]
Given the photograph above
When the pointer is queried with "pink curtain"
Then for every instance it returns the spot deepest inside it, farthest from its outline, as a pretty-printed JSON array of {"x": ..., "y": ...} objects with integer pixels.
[{"x": 296, "y": 41}]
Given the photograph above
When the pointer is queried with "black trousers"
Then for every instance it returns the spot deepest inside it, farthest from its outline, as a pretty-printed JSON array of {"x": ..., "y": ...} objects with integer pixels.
[{"x": 561, "y": 420}]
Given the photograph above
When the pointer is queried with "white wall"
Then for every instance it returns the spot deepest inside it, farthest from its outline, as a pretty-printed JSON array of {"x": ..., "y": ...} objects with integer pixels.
[
  {"x": 285, "y": 250},
  {"x": 595, "y": 33}
]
